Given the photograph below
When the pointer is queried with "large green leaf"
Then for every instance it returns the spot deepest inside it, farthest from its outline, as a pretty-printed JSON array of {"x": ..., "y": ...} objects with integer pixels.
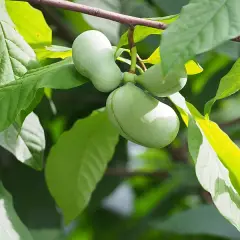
[
  {"x": 213, "y": 175},
  {"x": 34, "y": 102},
  {"x": 216, "y": 157},
  {"x": 30, "y": 23},
  {"x": 77, "y": 162},
  {"x": 141, "y": 32},
  {"x": 32, "y": 200},
  {"x": 109, "y": 184},
  {"x": 16, "y": 56},
  {"x": 170, "y": 6},
  {"x": 26, "y": 143},
  {"x": 11, "y": 227},
  {"x": 17, "y": 96},
  {"x": 229, "y": 85},
  {"x": 203, "y": 220},
  {"x": 202, "y": 25}
]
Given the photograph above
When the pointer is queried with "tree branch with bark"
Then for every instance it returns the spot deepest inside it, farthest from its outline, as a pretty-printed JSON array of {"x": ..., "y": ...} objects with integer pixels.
[{"x": 113, "y": 16}]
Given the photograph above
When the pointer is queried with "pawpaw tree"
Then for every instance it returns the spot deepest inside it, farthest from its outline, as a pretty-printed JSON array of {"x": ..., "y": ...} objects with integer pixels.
[{"x": 119, "y": 119}]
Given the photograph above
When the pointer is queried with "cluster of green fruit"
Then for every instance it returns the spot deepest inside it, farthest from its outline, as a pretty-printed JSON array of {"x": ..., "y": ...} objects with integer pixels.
[{"x": 137, "y": 115}]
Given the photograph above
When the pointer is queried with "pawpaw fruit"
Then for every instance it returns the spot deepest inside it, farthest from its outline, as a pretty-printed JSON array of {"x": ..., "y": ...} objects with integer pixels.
[
  {"x": 93, "y": 57},
  {"x": 153, "y": 81},
  {"x": 141, "y": 118}
]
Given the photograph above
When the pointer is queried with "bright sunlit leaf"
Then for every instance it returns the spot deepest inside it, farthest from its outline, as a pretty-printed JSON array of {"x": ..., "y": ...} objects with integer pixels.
[
  {"x": 30, "y": 23},
  {"x": 192, "y": 67},
  {"x": 141, "y": 32},
  {"x": 217, "y": 159},
  {"x": 53, "y": 51}
]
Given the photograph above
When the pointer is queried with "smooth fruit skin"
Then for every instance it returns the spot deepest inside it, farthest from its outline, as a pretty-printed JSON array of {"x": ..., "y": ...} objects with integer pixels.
[
  {"x": 141, "y": 118},
  {"x": 93, "y": 57},
  {"x": 153, "y": 81}
]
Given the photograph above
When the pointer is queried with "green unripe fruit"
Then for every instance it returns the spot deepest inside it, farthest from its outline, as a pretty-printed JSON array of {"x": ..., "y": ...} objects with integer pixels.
[
  {"x": 141, "y": 118},
  {"x": 160, "y": 86},
  {"x": 93, "y": 57}
]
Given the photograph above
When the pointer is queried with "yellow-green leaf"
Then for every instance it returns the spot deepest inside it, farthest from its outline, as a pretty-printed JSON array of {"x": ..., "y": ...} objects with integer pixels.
[
  {"x": 192, "y": 67},
  {"x": 226, "y": 149},
  {"x": 229, "y": 85},
  {"x": 217, "y": 159},
  {"x": 30, "y": 23},
  {"x": 141, "y": 32},
  {"x": 53, "y": 52}
]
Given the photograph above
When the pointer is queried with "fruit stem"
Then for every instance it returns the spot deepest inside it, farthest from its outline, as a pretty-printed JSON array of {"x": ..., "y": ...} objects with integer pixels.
[
  {"x": 133, "y": 60},
  {"x": 142, "y": 65},
  {"x": 133, "y": 49}
]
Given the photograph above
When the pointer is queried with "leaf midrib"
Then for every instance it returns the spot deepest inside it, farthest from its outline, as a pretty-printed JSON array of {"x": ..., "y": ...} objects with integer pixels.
[{"x": 6, "y": 47}]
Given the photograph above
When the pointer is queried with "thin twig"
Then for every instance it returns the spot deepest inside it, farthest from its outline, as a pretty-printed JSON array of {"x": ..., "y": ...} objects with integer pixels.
[
  {"x": 97, "y": 12},
  {"x": 121, "y": 172},
  {"x": 236, "y": 39},
  {"x": 141, "y": 63},
  {"x": 131, "y": 37}
]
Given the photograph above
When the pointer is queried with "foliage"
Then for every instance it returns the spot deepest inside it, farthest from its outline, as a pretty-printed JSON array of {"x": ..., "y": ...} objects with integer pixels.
[{"x": 65, "y": 171}]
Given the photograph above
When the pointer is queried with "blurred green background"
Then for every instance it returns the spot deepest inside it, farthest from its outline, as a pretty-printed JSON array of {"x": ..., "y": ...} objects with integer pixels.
[{"x": 146, "y": 194}]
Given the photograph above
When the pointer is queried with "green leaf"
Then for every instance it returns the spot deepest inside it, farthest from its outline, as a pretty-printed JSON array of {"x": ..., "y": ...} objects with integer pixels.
[
  {"x": 34, "y": 102},
  {"x": 213, "y": 66},
  {"x": 141, "y": 32},
  {"x": 202, "y": 25},
  {"x": 46, "y": 233},
  {"x": 84, "y": 22},
  {"x": 154, "y": 196},
  {"x": 48, "y": 95},
  {"x": 26, "y": 143},
  {"x": 109, "y": 28},
  {"x": 229, "y": 85},
  {"x": 30, "y": 23},
  {"x": 213, "y": 175},
  {"x": 11, "y": 226},
  {"x": 32, "y": 200},
  {"x": 16, "y": 57},
  {"x": 170, "y": 6},
  {"x": 203, "y": 220},
  {"x": 109, "y": 184},
  {"x": 191, "y": 66},
  {"x": 77, "y": 162},
  {"x": 53, "y": 51},
  {"x": 19, "y": 95},
  {"x": 216, "y": 158},
  {"x": 77, "y": 21}
]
